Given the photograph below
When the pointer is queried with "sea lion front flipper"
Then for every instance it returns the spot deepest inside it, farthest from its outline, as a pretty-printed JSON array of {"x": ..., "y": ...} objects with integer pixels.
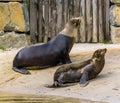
[
  {"x": 66, "y": 59},
  {"x": 21, "y": 70},
  {"x": 83, "y": 84},
  {"x": 84, "y": 79},
  {"x": 85, "y": 75}
]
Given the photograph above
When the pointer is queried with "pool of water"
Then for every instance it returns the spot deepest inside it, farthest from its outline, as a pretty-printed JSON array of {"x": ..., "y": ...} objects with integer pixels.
[{"x": 40, "y": 99}]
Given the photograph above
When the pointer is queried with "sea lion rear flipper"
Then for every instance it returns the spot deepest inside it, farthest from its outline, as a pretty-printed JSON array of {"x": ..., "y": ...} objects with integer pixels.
[
  {"x": 67, "y": 84},
  {"x": 21, "y": 70},
  {"x": 83, "y": 84},
  {"x": 60, "y": 85},
  {"x": 49, "y": 86}
]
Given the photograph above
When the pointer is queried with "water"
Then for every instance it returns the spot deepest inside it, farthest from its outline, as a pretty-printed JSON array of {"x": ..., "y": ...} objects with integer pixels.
[{"x": 40, "y": 99}]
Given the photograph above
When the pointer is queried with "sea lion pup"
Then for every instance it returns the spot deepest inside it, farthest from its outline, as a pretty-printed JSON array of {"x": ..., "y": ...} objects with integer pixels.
[
  {"x": 49, "y": 54},
  {"x": 94, "y": 68},
  {"x": 72, "y": 73}
]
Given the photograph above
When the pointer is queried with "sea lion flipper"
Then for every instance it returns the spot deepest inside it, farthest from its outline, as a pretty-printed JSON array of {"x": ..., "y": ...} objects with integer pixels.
[
  {"x": 49, "y": 86},
  {"x": 21, "y": 70},
  {"x": 66, "y": 59},
  {"x": 84, "y": 79},
  {"x": 68, "y": 84},
  {"x": 61, "y": 85},
  {"x": 84, "y": 84}
]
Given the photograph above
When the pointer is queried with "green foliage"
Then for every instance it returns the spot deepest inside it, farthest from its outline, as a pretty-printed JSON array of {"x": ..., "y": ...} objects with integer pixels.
[
  {"x": 2, "y": 48},
  {"x": 104, "y": 41}
]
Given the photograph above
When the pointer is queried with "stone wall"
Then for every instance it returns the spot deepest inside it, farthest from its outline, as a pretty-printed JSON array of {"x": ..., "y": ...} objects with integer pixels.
[
  {"x": 14, "y": 23},
  {"x": 115, "y": 21}
]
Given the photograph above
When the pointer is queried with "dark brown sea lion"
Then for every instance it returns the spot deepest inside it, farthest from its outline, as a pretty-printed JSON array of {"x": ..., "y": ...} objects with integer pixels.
[
  {"x": 80, "y": 72},
  {"x": 49, "y": 54}
]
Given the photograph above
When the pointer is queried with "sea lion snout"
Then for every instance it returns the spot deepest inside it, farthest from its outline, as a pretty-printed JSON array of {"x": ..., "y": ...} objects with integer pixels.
[
  {"x": 99, "y": 52},
  {"x": 79, "y": 20},
  {"x": 103, "y": 51}
]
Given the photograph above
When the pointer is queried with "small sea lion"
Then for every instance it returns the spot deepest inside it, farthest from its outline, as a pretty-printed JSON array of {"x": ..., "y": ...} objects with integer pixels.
[
  {"x": 80, "y": 72},
  {"x": 52, "y": 53},
  {"x": 94, "y": 68}
]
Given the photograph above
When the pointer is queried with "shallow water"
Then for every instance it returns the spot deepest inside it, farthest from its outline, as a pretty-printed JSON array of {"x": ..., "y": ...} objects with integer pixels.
[{"x": 40, "y": 99}]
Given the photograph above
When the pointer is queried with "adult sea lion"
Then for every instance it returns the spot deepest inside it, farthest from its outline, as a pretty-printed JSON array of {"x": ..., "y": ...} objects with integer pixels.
[
  {"x": 51, "y": 53},
  {"x": 80, "y": 72}
]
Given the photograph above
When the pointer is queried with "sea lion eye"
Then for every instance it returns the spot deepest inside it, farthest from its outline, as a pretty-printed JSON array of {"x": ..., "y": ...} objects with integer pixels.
[{"x": 96, "y": 54}]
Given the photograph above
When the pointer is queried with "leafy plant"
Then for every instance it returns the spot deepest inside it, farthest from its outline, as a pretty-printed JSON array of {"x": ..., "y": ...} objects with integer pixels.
[
  {"x": 2, "y": 48},
  {"x": 104, "y": 41}
]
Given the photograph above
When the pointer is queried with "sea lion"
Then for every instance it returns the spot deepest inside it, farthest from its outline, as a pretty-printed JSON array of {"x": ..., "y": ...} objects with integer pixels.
[
  {"x": 51, "y": 53},
  {"x": 80, "y": 72}
]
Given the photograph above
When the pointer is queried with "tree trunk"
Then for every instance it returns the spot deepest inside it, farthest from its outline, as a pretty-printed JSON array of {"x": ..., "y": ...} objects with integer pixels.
[
  {"x": 95, "y": 21},
  {"x": 33, "y": 21},
  {"x": 83, "y": 23},
  {"x": 89, "y": 20},
  {"x": 76, "y": 14},
  {"x": 107, "y": 24},
  {"x": 59, "y": 15},
  {"x": 101, "y": 31},
  {"x": 46, "y": 19},
  {"x": 40, "y": 21},
  {"x": 66, "y": 10}
]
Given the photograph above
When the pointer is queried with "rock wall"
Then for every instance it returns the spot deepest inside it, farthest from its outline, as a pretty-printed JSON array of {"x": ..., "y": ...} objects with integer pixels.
[
  {"x": 13, "y": 40},
  {"x": 14, "y": 23},
  {"x": 115, "y": 21}
]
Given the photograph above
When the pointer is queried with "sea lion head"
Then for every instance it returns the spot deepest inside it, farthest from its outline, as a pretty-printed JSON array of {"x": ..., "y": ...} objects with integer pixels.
[
  {"x": 75, "y": 22},
  {"x": 71, "y": 27},
  {"x": 99, "y": 54}
]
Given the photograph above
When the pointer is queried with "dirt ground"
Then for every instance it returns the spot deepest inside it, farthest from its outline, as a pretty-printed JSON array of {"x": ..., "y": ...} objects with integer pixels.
[{"x": 106, "y": 87}]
